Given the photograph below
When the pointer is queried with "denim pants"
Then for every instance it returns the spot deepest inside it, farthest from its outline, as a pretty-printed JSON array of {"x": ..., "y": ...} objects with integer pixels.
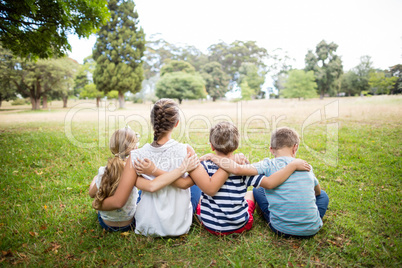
[
  {"x": 126, "y": 228},
  {"x": 322, "y": 202}
]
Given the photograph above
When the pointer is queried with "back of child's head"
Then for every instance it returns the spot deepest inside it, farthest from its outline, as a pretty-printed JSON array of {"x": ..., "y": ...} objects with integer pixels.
[
  {"x": 284, "y": 137},
  {"x": 224, "y": 137},
  {"x": 164, "y": 116},
  {"x": 122, "y": 142}
]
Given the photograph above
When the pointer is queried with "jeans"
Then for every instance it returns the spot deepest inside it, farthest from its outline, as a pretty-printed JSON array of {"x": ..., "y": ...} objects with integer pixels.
[
  {"x": 321, "y": 201},
  {"x": 126, "y": 228}
]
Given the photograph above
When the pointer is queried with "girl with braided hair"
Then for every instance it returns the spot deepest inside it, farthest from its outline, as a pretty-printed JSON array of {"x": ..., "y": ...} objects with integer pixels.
[
  {"x": 122, "y": 142},
  {"x": 168, "y": 211}
]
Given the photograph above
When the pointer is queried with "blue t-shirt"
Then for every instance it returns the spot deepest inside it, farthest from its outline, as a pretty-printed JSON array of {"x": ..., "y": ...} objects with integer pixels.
[
  {"x": 227, "y": 210},
  {"x": 292, "y": 204}
]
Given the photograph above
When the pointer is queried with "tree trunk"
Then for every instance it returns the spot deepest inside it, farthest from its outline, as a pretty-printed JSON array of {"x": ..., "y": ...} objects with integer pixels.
[
  {"x": 44, "y": 100},
  {"x": 213, "y": 99},
  {"x": 180, "y": 100},
  {"x": 121, "y": 100},
  {"x": 97, "y": 101},
  {"x": 65, "y": 98},
  {"x": 35, "y": 103}
]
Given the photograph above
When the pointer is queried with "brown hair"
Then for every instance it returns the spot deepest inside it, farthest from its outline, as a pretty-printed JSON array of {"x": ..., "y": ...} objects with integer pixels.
[
  {"x": 284, "y": 137},
  {"x": 224, "y": 136},
  {"x": 164, "y": 116},
  {"x": 122, "y": 142}
]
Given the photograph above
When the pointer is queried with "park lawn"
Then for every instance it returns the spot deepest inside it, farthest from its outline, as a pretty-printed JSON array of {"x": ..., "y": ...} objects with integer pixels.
[{"x": 46, "y": 217}]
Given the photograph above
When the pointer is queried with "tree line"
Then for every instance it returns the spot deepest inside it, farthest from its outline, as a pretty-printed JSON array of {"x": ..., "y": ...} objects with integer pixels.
[{"x": 124, "y": 61}]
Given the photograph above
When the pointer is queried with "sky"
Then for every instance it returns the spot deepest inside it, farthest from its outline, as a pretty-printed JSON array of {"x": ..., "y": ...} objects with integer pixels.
[{"x": 358, "y": 27}]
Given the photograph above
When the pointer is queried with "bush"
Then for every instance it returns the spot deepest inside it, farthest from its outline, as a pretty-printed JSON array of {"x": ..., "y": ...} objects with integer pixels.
[{"x": 20, "y": 102}]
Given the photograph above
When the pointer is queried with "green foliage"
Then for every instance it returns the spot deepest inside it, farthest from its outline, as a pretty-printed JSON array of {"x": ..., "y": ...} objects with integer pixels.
[
  {"x": 113, "y": 94},
  {"x": 380, "y": 83},
  {"x": 20, "y": 101},
  {"x": 177, "y": 66},
  {"x": 118, "y": 51},
  {"x": 327, "y": 66},
  {"x": 255, "y": 78},
  {"x": 280, "y": 65},
  {"x": 246, "y": 92},
  {"x": 232, "y": 56},
  {"x": 300, "y": 84},
  {"x": 91, "y": 92},
  {"x": 396, "y": 71},
  {"x": 349, "y": 84},
  {"x": 84, "y": 75},
  {"x": 39, "y": 28},
  {"x": 181, "y": 85},
  {"x": 216, "y": 80}
]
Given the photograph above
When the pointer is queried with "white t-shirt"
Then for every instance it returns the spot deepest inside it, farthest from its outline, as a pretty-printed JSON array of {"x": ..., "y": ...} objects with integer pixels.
[
  {"x": 167, "y": 212},
  {"x": 126, "y": 212}
]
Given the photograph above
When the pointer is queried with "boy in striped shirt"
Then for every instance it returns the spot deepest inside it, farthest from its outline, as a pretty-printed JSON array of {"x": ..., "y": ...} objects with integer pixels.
[
  {"x": 297, "y": 206},
  {"x": 229, "y": 207}
]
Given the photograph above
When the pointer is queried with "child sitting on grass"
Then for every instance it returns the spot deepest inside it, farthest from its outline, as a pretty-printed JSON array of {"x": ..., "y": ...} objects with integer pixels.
[
  {"x": 229, "y": 208},
  {"x": 297, "y": 206},
  {"x": 122, "y": 142}
]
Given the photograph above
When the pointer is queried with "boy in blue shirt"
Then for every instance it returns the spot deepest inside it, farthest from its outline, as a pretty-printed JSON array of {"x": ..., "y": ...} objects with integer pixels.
[{"x": 296, "y": 207}]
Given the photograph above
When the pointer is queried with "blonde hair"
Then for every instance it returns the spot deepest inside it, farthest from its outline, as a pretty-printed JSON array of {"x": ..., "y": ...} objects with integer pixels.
[
  {"x": 224, "y": 136},
  {"x": 284, "y": 137},
  {"x": 164, "y": 116},
  {"x": 122, "y": 142}
]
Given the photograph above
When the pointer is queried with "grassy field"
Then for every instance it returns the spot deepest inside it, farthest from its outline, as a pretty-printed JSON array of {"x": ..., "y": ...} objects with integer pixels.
[{"x": 48, "y": 159}]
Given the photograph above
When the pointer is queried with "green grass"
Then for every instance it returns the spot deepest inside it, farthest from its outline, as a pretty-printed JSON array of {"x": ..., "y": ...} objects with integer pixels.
[{"x": 46, "y": 217}]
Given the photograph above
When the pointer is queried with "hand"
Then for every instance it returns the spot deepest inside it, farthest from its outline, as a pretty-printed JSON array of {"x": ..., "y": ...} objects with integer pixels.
[
  {"x": 206, "y": 157},
  {"x": 241, "y": 159},
  {"x": 189, "y": 163},
  {"x": 144, "y": 166},
  {"x": 301, "y": 165}
]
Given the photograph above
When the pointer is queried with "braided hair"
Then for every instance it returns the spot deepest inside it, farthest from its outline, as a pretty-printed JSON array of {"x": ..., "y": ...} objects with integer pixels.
[
  {"x": 164, "y": 116},
  {"x": 122, "y": 142}
]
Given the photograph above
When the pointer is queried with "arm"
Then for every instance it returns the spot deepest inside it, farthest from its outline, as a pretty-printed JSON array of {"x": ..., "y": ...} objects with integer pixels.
[
  {"x": 282, "y": 175},
  {"x": 207, "y": 184},
  {"x": 189, "y": 163},
  {"x": 317, "y": 190},
  {"x": 230, "y": 165},
  {"x": 93, "y": 189},
  {"x": 146, "y": 166},
  {"x": 126, "y": 184}
]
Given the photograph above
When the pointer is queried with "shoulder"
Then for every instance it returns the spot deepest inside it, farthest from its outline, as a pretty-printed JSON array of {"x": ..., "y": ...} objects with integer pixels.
[{"x": 190, "y": 149}]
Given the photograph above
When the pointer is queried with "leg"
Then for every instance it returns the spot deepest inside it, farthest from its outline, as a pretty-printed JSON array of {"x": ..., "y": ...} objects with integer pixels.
[
  {"x": 261, "y": 199},
  {"x": 322, "y": 202},
  {"x": 195, "y": 196}
]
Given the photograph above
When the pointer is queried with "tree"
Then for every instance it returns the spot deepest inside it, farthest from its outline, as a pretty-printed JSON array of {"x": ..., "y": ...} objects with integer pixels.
[
  {"x": 180, "y": 85},
  {"x": 380, "y": 83},
  {"x": 326, "y": 65},
  {"x": 89, "y": 91},
  {"x": 363, "y": 71},
  {"x": 396, "y": 71},
  {"x": 300, "y": 84},
  {"x": 118, "y": 51},
  {"x": 39, "y": 28},
  {"x": 232, "y": 56},
  {"x": 177, "y": 66},
  {"x": 7, "y": 87},
  {"x": 84, "y": 75},
  {"x": 216, "y": 80},
  {"x": 246, "y": 91},
  {"x": 280, "y": 65},
  {"x": 349, "y": 83},
  {"x": 255, "y": 78}
]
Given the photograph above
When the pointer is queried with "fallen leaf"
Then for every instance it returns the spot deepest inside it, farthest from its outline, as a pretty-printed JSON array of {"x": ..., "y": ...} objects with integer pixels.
[
  {"x": 125, "y": 234},
  {"x": 33, "y": 234},
  {"x": 43, "y": 227}
]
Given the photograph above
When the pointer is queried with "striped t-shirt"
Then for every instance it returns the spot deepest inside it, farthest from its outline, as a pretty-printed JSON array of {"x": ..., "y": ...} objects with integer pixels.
[
  {"x": 227, "y": 210},
  {"x": 292, "y": 204}
]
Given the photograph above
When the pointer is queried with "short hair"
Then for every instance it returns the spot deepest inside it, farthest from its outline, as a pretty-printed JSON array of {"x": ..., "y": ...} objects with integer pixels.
[
  {"x": 284, "y": 137},
  {"x": 224, "y": 136}
]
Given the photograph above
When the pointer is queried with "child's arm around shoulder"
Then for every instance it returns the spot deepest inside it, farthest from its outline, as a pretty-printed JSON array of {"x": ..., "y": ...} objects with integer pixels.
[
  {"x": 209, "y": 185},
  {"x": 282, "y": 175},
  {"x": 231, "y": 166},
  {"x": 166, "y": 178}
]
